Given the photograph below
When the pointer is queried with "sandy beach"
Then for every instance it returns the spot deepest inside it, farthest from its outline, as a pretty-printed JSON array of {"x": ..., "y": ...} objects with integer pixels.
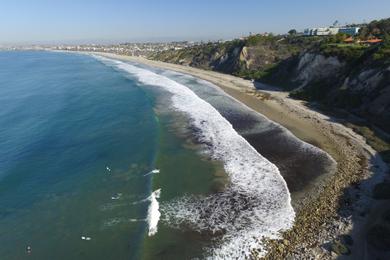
[{"x": 329, "y": 210}]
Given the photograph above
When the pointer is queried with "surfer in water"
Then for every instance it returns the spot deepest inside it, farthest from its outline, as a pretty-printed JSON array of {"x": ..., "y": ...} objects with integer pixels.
[{"x": 28, "y": 250}]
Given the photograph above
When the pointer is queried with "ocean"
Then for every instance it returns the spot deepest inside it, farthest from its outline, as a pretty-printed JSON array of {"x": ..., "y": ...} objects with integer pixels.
[
  {"x": 64, "y": 120},
  {"x": 107, "y": 159}
]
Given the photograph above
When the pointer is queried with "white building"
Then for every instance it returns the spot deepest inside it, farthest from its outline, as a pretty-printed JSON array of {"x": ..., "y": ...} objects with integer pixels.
[
  {"x": 322, "y": 31},
  {"x": 350, "y": 30}
]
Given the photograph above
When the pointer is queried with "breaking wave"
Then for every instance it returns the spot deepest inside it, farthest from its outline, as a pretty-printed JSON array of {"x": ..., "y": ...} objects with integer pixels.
[
  {"x": 153, "y": 212},
  {"x": 255, "y": 205}
]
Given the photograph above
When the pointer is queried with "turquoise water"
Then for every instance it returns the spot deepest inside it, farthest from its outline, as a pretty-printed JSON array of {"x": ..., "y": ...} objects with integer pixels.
[
  {"x": 225, "y": 215},
  {"x": 77, "y": 138},
  {"x": 63, "y": 120}
]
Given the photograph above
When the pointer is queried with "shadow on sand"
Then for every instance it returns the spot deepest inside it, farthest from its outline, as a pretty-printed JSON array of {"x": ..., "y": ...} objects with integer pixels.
[{"x": 367, "y": 205}]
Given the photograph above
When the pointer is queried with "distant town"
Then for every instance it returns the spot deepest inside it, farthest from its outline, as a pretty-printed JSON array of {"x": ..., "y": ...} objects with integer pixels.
[
  {"x": 147, "y": 48},
  {"x": 132, "y": 49}
]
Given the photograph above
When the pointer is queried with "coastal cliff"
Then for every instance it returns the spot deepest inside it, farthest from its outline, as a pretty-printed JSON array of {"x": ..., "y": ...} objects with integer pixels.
[
  {"x": 222, "y": 57},
  {"x": 360, "y": 86},
  {"x": 349, "y": 77},
  {"x": 351, "y": 82},
  {"x": 319, "y": 233}
]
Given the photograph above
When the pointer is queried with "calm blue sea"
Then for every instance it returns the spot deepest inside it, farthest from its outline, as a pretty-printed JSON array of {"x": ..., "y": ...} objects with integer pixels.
[{"x": 63, "y": 120}]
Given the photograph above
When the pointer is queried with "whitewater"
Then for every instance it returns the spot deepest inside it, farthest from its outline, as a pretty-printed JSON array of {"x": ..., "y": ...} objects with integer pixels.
[{"x": 256, "y": 204}]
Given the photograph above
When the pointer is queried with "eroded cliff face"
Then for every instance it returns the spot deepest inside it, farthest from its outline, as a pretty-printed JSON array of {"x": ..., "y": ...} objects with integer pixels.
[
  {"x": 260, "y": 57},
  {"x": 232, "y": 57},
  {"x": 362, "y": 89},
  {"x": 360, "y": 86},
  {"x": 314, "y": 67},
  {"x": 226, "y": 61},
  {"x": 222, "y": 57},
  {"x": 373, "y": 85}
]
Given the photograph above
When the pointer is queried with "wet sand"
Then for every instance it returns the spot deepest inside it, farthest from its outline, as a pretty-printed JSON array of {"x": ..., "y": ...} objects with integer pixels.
[
  {"x": 318, "y": 217},
  {"x": 303, "y": 170}
]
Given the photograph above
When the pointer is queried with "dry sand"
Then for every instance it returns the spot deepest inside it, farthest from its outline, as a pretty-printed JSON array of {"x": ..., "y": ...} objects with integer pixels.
[{"x": 328, "y": 212}]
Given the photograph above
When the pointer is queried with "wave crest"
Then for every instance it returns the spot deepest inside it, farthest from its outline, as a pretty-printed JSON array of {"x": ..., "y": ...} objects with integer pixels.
[{"x": 257, "y": 202}]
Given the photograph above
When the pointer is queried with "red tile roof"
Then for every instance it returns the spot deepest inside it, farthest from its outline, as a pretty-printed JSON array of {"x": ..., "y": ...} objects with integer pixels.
[
  {"x": 349, "y": 40},
  {"x": 376, "y": 40}
]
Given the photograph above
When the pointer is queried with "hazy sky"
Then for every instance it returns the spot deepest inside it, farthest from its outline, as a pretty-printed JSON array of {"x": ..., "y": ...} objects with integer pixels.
[{"x": 73, "y": 21}]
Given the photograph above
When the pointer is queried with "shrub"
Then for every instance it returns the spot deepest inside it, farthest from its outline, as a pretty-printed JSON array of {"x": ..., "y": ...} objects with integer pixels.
[{"x": 257, "y": 39}]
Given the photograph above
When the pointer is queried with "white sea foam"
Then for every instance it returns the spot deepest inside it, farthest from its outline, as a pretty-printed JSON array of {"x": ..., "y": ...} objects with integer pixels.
[
  {"x": 257, "y": 204},
  {"x": 112, "y": 222},
  {"x": 136, "y": 219},
  {"x": 155, "y": 171},
  {"x": 215, "y": 91},
  {"x": 120, "y": 220},
  {"x": 153, "y": 216},
  {"x": 140, "y": 201},
  {"x": 153, "y": 212}
]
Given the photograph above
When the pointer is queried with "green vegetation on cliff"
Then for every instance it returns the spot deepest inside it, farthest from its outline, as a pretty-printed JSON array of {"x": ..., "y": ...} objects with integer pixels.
[
  {"x": 338, "y": 76},
  {"x": 353, "y": 76},
  {"x": 250, "y": 58},
  {"x": 214, "y": 56},
  {"x": 375, "y": 28}
]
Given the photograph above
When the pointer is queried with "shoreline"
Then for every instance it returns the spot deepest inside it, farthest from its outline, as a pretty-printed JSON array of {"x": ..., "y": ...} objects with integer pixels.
[{"x": 356, "y": 160}]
